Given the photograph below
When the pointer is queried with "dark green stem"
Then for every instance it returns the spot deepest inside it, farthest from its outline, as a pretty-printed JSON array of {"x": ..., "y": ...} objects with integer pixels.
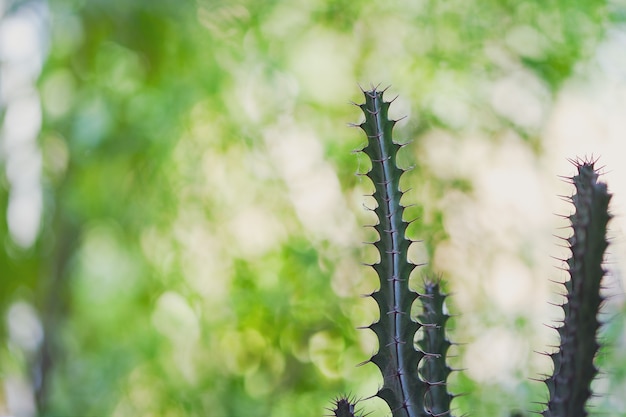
[
  {"x": 435, "y": 345},
  {"x": 397, "y": 358},
  {"x": 574, "y": 370}
]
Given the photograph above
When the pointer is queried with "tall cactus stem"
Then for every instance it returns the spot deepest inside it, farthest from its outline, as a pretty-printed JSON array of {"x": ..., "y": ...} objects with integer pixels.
[
  {"x": 574, "y": 370},
  {"x": 397, "y": 358}
]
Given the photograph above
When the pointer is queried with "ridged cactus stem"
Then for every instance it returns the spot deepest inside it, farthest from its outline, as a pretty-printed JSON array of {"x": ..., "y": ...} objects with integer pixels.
[
  {"x": 435, "y": 345},
  {"x": 397, "y": 358},
  {"x": 574, "y": 370}
]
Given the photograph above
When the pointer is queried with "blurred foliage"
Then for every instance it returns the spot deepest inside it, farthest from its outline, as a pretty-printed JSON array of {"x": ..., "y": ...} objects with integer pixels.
[{"x": 201, "y": 244}]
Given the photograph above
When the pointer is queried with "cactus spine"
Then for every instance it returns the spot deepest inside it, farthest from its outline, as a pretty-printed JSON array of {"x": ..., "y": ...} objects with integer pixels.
[{"x": 415, "y": 373}]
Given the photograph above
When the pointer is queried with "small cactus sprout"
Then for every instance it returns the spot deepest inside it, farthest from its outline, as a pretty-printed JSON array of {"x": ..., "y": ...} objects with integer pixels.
[{"x": 344, "y": 407}]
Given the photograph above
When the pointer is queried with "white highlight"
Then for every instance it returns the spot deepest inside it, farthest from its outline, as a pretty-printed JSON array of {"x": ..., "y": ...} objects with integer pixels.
[{"x": 22, "y": 54}]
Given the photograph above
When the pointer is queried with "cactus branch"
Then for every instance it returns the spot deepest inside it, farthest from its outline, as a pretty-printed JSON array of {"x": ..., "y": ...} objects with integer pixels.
[
  {"x": 398, "y": 360},
  {"x": 434, "y": 344},
  {"x": 574, "y": 370}
]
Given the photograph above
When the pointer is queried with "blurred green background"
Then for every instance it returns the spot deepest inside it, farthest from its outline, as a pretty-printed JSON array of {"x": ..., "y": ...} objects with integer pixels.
[{"x": 181, "y": 219}]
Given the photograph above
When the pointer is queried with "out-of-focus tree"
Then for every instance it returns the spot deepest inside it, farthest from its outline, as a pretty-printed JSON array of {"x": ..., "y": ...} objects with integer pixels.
[{"x": 199, "y": 250}]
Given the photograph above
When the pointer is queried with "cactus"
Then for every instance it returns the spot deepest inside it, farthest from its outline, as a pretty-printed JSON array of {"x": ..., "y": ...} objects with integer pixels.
[
  {"x": 434, "y": 343},
  {"x": 344, "y": 407},
  {"x": 574, "y": 370},
  {"x": 415, "y": 374},
  {"x": 408, "y": 393}
]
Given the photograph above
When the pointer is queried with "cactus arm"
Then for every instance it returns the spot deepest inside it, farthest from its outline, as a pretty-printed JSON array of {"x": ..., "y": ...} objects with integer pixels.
[
  {"x": 396, "y": 358},
  {"x": 434, "y": 344},
  {"x": 574, "y": 370}
]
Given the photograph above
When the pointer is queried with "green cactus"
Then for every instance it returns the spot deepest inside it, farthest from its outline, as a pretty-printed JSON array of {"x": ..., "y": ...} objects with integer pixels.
[
  {"x": 415, "y": 374},
  {"x": 434, "y": 344},
  {"x": 574, "y": 370},
  {"x": 406, "y": 392},
  {"x": 344, "y": 407}
]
